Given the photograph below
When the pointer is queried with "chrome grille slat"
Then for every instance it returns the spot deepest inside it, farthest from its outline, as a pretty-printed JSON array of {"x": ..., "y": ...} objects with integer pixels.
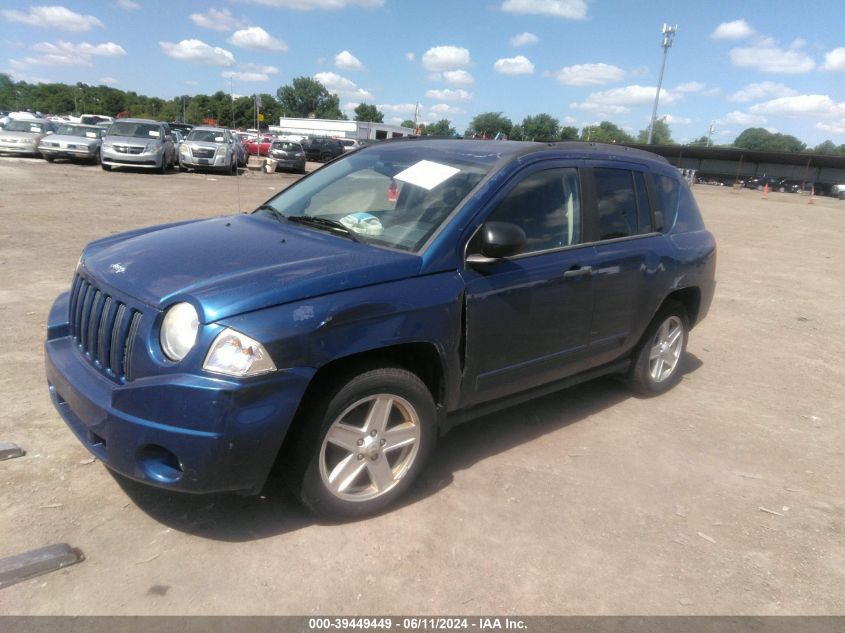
[{"x": 104, "y": 328}]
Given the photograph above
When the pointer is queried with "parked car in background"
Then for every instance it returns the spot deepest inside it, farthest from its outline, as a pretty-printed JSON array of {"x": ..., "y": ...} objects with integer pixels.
[
  {"x": 22, "y": 136},
  {"x": 139, "y": 143},
  {"x": 289, "y": 155},
  {"x": 73, "y": 141},
  {"x": 351, "y": 144},
  {"x": 95, "y": 119},
  {"x": 184, "y": 128},
  {"x": 351, "y": 319},
  {"x": 321, "y": 148},
  {"x": 783, "y": 185},
  {"x": 838, "y": 191},
  {"x": 211, "y": 149},
  {"x": 259, "y": 146}
]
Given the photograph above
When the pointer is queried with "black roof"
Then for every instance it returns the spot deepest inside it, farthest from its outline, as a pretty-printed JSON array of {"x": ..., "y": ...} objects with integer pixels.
[{"x": 737, "y": 153}]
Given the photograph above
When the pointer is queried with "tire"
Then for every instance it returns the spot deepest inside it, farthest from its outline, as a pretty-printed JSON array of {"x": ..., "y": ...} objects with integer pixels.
[
  {"x": 98, "y": 159},
  {"x": 105, "y": 167},
  {"x": 657, "y": 360},
  {"x": 233, "y": 168},
  {"x": 342, "y": 461},
  {"x": 49, "y": 158},
  {"x": 782, "y": 189},
  {"x": 325, "y": 157}
]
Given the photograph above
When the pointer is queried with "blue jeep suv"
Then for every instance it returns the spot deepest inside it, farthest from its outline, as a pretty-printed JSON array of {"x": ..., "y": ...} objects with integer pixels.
[{"x": 347, "y": 322}]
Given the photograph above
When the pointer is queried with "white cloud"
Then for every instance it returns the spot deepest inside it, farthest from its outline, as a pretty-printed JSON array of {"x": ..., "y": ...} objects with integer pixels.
[
  {"x": 690, "y": 86},
  {"x": 398, "y": 108},
  {"x": 443, "y": 58},
  {"x": 518, "y": 65},
  {"x": 442, "y": 109},
  {"x": 589, "y": 74},
  {"x": 762, "y": 90},
  {"x": 342, "y": 86},
  {"x": 449, "y": 95},
  {"x": 819, "y": 106},
  {"x": 568, "y": 9},
  {"x": 741, "y": 118},
  {"x": 69, "y": 54},
  {"x": 199, "y": 52},
  {"x": 836, "y": 127},
  {"x": 244, "y": 76},
  {"x": 523, "y": 39},
  {"x": 767, "y": 57},
  {"x": 736, "y": 30},
  {"x": 259, "y": 68},
  {"x": 347, "y": 61},
  {"x": 128, "y": 5},
  {"x": 257, "y": 38},
  {"x": 410, "y": 57},
  {"x": 217, "y": 20},
  {"x": 711, "y": 92},
  {"x": 53, "y": 17},
  {"x": 834, "y": 60},
  {"x": 108, "y": 81},
  {"x": 676, "y": 120},
  {"x": 308, "y": 5},
  {"x": 619, "y": 100},
  {"x": 458, "y": 78}
]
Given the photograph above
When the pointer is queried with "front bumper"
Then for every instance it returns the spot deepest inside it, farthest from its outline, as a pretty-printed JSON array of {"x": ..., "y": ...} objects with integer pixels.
[
  {"x": 186, "y": 432},
  {"x": 119, "y": 159},
  {"x": 56, "y": 152},
  {"x": 19, "y": 148},
  {"x": 220, "y": 163}
]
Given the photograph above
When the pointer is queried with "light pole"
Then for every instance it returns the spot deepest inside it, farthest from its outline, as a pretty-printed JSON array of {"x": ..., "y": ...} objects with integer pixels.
[{"x": 668, "y": 36}]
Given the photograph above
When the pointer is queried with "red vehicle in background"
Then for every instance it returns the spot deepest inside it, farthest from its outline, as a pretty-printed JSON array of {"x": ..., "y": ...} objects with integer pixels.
[{"x": 260, "y": 145}]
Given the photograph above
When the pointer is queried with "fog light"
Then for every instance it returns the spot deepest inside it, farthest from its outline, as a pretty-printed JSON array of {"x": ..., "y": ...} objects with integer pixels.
[{"x": 160, "y": 464}]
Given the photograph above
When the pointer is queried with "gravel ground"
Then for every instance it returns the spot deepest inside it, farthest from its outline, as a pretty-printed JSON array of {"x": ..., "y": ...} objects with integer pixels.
[{"x": 724, "y": 496}]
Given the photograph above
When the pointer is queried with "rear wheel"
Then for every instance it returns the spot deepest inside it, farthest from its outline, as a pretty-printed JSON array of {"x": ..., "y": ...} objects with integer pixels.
[
  {"x": 325, "y": 157},
  {"x": 49, "y": 158},
  {"x": 359, "y": 449},
  {"x": 657, "y": 361}
]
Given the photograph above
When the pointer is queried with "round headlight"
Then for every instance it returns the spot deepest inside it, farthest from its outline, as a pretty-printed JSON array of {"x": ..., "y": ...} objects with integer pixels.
[{"x": 179, "y": 331}]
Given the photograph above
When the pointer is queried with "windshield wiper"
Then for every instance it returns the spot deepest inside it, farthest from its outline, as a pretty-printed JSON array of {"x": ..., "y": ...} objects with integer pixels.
[
  {"x": 318, "y": 221},
  {"x": 272, "y": 210}
]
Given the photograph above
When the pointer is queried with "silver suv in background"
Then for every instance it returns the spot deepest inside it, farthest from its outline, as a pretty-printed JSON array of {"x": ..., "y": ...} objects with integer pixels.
[
  {"x": 138, "y": 143},
  {"x": 212, "y": 148}
]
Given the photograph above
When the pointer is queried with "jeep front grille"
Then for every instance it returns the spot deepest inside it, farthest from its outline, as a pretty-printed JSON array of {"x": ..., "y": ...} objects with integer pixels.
[{"x": 104, "y": 329}]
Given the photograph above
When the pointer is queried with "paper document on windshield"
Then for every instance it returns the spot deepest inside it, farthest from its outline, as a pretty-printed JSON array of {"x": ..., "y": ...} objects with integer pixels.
[{"x": 426, "y": 174}]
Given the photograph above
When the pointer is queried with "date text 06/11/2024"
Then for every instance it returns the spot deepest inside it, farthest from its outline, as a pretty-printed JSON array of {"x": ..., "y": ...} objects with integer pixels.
[{"x": 414, "y": 624}]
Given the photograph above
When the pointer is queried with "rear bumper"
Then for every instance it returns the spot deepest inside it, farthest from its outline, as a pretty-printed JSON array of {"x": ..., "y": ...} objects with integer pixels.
[{"x": 183, "y": 432}]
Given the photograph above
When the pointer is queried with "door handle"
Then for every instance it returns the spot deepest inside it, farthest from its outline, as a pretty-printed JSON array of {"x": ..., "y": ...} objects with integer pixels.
[{"x": 579, "y": 271}]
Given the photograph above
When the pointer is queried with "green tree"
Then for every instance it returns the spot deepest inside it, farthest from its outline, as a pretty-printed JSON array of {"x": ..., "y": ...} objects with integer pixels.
[
  {"x": 661, "y": 135},
  {"x": 307, "y": 97},
  {"x": 367, "y": 112},
  {"x": 568, "y": 133},
  {"x": 827, "y": 147},
  {"x": 489, "y": 124},
  {"x": 443, "y": 127},
  {"x": 701, "y": 141},
  {"x": 408, "y": 123},
  {"x": 761, "y": 139},
  {"x": 606, "y": 132},
  {"x": 540, "y": 127}
]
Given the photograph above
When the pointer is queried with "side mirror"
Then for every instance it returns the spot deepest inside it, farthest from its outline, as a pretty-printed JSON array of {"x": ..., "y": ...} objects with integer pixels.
[{"x": 498, "y": 241}]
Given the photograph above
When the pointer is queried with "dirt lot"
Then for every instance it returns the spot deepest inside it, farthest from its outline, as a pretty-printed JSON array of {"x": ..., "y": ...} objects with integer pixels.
[{"x": 726, "y": 495}]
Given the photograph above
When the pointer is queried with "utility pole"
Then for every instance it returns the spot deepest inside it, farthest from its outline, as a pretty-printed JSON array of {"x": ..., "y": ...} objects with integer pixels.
[
  {"x": 710, "y": 133},
  {"x": 668, "y": 36}
]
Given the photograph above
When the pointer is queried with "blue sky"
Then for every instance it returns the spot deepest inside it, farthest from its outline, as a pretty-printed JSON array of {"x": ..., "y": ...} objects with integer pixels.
[{"x": 776, "y": 64}]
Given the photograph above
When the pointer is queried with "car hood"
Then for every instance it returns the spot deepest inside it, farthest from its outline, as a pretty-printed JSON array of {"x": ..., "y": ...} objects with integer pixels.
[
  {"x": 69, "y": 138},
  {"x": 238, "y": 264},
  {"x": 22, "y": 135}
]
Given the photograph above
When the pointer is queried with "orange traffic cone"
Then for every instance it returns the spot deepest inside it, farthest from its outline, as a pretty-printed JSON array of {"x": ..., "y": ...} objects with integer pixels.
[{"x": 766, "y": 191}]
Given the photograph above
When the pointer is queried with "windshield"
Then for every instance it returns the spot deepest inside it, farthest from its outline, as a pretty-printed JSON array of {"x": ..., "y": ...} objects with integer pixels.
[
  {"x": 79, "y": 130},
  {"x": 138, "y": 130},
  {"x": 288, "y": 147},
  {"x": 207, "y": 136},
  {"x": 25, "y": 126},
  {"x": 395, "y": 196}
]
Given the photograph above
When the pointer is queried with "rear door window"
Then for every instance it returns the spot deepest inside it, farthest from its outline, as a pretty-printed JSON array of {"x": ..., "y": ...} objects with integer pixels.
[{"x": 623, "y": 204}]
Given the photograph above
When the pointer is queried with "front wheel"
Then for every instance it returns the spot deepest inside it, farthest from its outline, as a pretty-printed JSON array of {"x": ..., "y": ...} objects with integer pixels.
[
  {"x": 360, "y": 448},
  {"x": 657, "y": 361},
  {"x": 105, "y": 167}
]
